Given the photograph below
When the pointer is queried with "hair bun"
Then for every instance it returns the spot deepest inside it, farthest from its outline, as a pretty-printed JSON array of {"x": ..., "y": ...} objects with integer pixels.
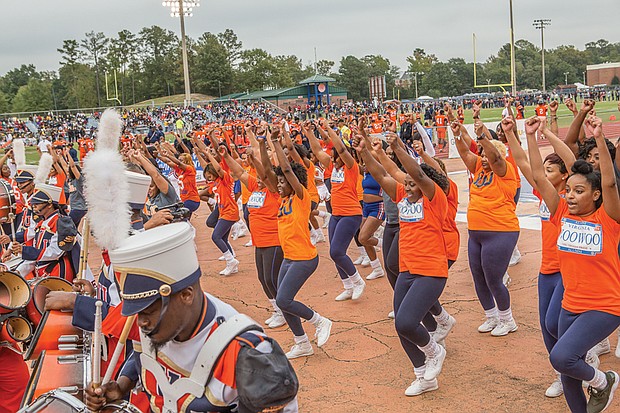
[{"x": 582, "y": 167}]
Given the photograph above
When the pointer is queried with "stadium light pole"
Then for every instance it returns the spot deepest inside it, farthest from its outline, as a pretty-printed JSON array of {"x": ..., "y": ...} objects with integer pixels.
[
  {"x": 566, "y": 77},
  {"x": 415, "y": 77},
  {"x": 540, "y": 24},
  {"x": 182, "y": 9},
  {"x": 513, "y": 68}
]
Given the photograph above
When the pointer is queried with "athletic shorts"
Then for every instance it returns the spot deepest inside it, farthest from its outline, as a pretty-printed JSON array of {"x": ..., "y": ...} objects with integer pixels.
[
  {"x": 373, "y": 209},
  {"x": 324, "y": 194}
]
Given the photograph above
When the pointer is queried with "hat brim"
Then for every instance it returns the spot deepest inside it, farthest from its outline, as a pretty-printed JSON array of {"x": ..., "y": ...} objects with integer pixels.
[{"x": 132, "y": 307}]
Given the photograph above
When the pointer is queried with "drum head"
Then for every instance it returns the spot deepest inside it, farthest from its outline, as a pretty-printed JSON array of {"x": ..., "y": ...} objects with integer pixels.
[
  {"x": 44, "y": 286},
  {"x": 55, "y": 401},
  {"x": 14, "y": 292}
]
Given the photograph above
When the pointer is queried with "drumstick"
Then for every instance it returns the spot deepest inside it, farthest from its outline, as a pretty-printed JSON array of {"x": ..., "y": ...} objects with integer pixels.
[
  {"x": 96, "y": 353},
  {"x": 84, "y": 251},
  {"x": 119, "y": 348}
]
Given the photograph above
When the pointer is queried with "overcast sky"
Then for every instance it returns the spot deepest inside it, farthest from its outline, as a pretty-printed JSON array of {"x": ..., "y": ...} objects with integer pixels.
[{"x": 32, "y": 30}]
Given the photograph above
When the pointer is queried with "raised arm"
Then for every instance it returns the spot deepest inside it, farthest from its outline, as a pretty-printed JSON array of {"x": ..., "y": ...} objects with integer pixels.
[
  {"x": 608, "y": 174},
  {"x": 236, "y": 170},
  {"x": 426, "y": 184},
  {"x": 469, "y": 158},
  {"x": 288, "y": 142},
  {"x": 496, "y": 162},
  {"x": 269, "y": 176},
  {"x": 260, "y": 171},
  {"x": 428, "y": 145},
  {"x": 559, "y": 146},
  {"x": 516, "y": 150},
  {"x": 339, "y": 146},
  {"x": 553, "y": 118},
  {"x": 572, "y": 136},
  {"x": 151, "y": 170},
  {"x": 377, "y": 171},
  {"x": 547, "y": 191},
  {"x": 286, "y": 166},
  {"x": 380, "y": 155},
  {"x": 213, "y": 161},
  {"x": 429, "y": 160},
  {"x": 315, "y": 146}
]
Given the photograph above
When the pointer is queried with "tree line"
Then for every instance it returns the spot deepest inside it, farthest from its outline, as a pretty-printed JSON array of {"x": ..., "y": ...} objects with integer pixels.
[{"x": 147, "y": 65}]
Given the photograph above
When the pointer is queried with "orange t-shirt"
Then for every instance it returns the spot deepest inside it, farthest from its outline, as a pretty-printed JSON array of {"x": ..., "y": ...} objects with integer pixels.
[
  {"x": 345, "y": 198},
  {"x": 59, "y": 181},
  {"x": 422, "y": 247},
  {"x": 376, "y": 127},
  {"x": 224, "y": 190},
  {"x": 246, "y": 192},
  {"x": 441, "y": 120},
  {"x": 491, "y": 201},
  {"x": 541, "y": 110},
  {"x": 314, "y": 193},
  {"x": 293, "y": 231},
  {"x": 450, "y": 231},
  {"x": 187, "y": 183},
  {"x": 513, "y": 162},
  {"x": 589, "y": 262},
  {"x": 550, "y": 263},
  {"x": 263, "y": 206}
]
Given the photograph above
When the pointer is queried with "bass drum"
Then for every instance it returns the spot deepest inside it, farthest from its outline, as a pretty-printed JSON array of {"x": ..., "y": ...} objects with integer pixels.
[
  {"x": 58, "y": 371},
  {"x": 7, "y": 202},
  {"x": 40, "y": 287}
]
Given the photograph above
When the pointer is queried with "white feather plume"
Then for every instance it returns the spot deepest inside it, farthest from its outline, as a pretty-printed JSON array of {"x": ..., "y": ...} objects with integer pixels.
[
  {"x": 45, "y": 166},
  {"x": 19, "y": 152},
  {"x": 110, "y": 129},
  {"x": 106, "y": 190}
]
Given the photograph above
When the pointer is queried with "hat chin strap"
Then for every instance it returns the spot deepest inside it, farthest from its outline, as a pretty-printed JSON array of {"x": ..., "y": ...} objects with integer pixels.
[{"x": 164, "y": 307}]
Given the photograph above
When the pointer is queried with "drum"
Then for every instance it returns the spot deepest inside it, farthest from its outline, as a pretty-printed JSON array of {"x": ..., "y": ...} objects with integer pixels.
[
  {"x": 57, "y": 370},
  {"x": 55, "y": 332},
  {"x": 120, "y": 407},
  {"x": 55, "y": 401},
  {"x": 14, "y": 292},
  {"x": 7, "y": 202},
  {"x": 15, "y": 329},
  {"x": 40, "y": 287},
  {"x": 13, "y": 263}
]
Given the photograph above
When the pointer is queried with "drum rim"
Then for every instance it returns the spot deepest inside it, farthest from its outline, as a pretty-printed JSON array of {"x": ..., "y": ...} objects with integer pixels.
[
  {"x": 35, "y": 337},
  {"x": 30, "y": 291},
  {"x": 65, "y": 397}
]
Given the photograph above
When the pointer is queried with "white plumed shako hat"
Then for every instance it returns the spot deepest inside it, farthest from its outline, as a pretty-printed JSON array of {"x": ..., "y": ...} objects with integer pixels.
[
  {"x": 45, "y": 193},
  {"x": 138, "y": 188},
  {"x": 155, "y": 264}
]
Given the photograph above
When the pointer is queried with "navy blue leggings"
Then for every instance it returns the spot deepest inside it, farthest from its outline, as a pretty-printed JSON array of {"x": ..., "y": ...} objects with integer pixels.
[
  {"x": 578, "y": 334},
  {"x": 246, "y": 216},
  {"x": 220, "y": 234},
  {"x": 268, "y": 262},
  {"x": 550, "y": 293},
  {"x": 328, "y": 203},
  {"x": 292, "y": 276},
  {"x": 489, "y": 254},
  {"x": 76, "y": 216},
  {"x": 390, "y": 252},
  {"x": 341, "y": 231},
  {"x": 414, "y": 295}
]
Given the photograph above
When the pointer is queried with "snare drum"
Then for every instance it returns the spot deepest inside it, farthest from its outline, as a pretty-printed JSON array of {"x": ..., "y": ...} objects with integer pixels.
[
  {"x": 55, "y": 332},
  {"x": 14, "y": 292},
  {"x": 40, "y": 287},
  {"x": 120, "y": 407},
  {"x": 56, "y": 401},
  {"x": 57, "y": 370},
  {"x": 7, "y": 202}
]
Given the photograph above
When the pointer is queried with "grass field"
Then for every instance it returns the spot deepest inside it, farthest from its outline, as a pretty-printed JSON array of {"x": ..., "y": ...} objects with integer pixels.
[
  {"x": 173, "y": 99},
  {"x": 603, "y": 109}
]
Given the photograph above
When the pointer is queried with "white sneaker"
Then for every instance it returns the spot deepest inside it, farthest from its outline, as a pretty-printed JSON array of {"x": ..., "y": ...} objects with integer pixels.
[
  {"x": 358, "y": 289},
  {"x": 361, "y": 259},
  {"x": 248, "y": 244},
  {"x": 506, "y": 280},
  {"x": 434, "y": 364},
  {"x": 442, "y": 343},
  {"x": 504, "y": 327},
  {"x": 515, "y": 258},
  {"x": 323, "y": 330},
  {"x": 419, "y": 386},
  {"x": 376, "y": 273},
  {"x": 270, "y": 319},
  {"x": 443, "y": 329},
  {"x": 488, "y": 325},
  {"x": 222, "y": 258},
  {"x": 555, "y": 389},
  {"x": 593, "y": 360},
  {"x": 347, "y": 294},
  {"x": 326, "y": 219},
  {"x": 232, "y": 267},
  {"x": 366, "y": 261},
  {"x": 391, "y": 314},
  {"x": 602, "y": 348},
  {"x": 320, "y": 237},
  {"x": 300, "y": 350},
  {"x": 277, "y": 321}
]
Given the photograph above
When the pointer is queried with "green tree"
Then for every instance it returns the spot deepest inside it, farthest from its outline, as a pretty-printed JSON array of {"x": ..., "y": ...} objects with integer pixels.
[
  {"x": 324, "y": 67},
  {"x": 232, "y": 45},
  {"x": 16, "y": 78},
  {"x": 353, "y": 75},
  {"x": 256, "y": 70},
  {"x": 420, "y": 61},
  {"x": 4, "y": 103},
  {"x": 212, "y": 69},
  {"x": 159, "y": 53},
  {"x": 95, "y": 45},
  {"x": 34, "y": 96}
]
